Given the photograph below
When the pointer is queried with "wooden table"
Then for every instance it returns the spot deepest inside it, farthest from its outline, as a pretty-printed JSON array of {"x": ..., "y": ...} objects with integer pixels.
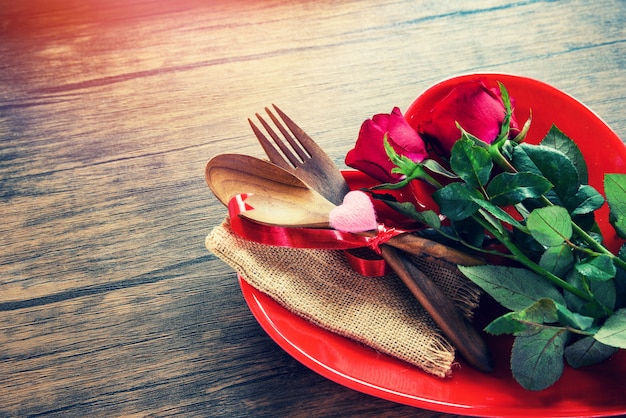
[{"x": 109, "y": 109}]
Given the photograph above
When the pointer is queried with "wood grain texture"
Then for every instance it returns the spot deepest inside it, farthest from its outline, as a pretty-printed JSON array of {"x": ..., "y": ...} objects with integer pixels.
[{"x": 109, "y": 109}]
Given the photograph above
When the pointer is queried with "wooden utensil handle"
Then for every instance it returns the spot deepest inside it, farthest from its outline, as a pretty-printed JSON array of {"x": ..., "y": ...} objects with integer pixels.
[
  {"x": 453, "y": 324},
  {"x": 419, "y": 246}
]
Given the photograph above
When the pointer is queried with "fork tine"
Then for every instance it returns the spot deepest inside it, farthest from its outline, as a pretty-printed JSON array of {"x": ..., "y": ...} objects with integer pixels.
[
  {"x": 281, "y": 145},
  {"x": 270, "y": 150},
  {"x": 287, "y": 152},
  {"x": 303, "y": 138},
  {"x": 295, "y": 144}
]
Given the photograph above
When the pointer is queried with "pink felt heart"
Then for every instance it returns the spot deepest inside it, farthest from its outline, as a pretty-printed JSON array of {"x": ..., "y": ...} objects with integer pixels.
[{"x": 355, "y": 214}]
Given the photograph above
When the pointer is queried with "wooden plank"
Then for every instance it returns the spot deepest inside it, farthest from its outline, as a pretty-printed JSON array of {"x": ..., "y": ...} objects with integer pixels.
[{"x": 109, "y": 110}]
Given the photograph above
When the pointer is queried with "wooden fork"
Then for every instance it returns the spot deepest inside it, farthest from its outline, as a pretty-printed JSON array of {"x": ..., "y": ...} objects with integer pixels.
[
  {"x": 308, "y": 161},
  {"x": 302, "y": 156}
]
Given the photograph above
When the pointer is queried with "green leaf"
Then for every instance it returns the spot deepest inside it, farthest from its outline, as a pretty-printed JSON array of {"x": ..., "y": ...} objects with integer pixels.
[
  {"x": 469, "y": 231},
  {"x": 512, "y": 188},
  {"x": 556, "y": 139},
  {"x": 499, "y": 213},
  {"x": 507, "y": 149},
  {"x": 600, "y": 268},
  {"x": 587, "y": 351},
  {"x": 521, "y": 136},
  {"x": 537, "y": 358},
  {"x": 594, "y": 309},
  {"x": 553, "y": 165},
  {"x": 558, "y": 259},
  {"x": 604, "y": 294},
  {"x": 512, "y": 287},
  {"x": 620, "y": 282},
  {"x": 508, "y": 111},
  {"x": 620, "y": 226},
  {"x": 437, "y": 168},
  {"x": 544, "y": 311},
  {"x": 531, "y": 247},
  {"x": 573, "y": 319},
  {"x": 404, "y": 165},
  {"x": 494, "y": 222},
  {"x": 468, "y": 136},
  {"x": 456, "y": 201},
  {"x": 586, "y": 200},
  {"x": 471, "y": 163},
  {"x": 613, "y": 332},
  {"x": 392, "y": 186},
  {"x": 551, "y": 226},
  {"x": 427, "y": 217},
  {"x": 615, "y": 190},
  {"x": 506, "y": 324}
]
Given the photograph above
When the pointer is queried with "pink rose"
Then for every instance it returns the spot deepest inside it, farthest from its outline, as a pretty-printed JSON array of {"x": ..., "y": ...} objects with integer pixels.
[
  {"x": 478, "y": 109},
  {"x": 368, "y": 154}
]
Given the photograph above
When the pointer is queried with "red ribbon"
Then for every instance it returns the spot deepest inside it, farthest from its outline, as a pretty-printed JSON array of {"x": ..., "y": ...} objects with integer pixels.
[{"x": 328, "y": 239}]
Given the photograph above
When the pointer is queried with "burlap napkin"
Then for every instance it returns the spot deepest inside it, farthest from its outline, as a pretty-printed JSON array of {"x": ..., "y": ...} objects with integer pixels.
[{"x": 320, "y": 286}]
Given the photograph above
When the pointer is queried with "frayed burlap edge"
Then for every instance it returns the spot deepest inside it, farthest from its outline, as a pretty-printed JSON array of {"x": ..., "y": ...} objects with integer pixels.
[{"x": 319, "y": 286}]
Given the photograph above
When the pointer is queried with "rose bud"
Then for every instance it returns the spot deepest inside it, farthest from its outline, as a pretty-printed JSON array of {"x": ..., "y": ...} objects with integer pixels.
[
  {"x": 368, "y": 154},
  {"x": 477, "y": 109}
]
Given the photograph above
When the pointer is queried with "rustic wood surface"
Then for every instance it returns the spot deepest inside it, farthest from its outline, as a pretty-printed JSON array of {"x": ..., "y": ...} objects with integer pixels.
[{"x": 109, "y": 109}]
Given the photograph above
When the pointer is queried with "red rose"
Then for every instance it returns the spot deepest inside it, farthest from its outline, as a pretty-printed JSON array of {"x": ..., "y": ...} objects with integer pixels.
[
  {"x": 478, "y": 109},
  {"x": 368, "y": 154}
]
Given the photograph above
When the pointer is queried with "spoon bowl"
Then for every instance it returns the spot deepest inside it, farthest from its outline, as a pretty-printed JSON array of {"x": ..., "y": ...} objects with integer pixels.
[{"x": 277, "y": 196}]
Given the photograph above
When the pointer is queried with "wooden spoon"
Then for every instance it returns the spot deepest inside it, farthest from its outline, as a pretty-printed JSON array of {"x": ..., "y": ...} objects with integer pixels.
[{"x": 280, "y": 198}]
